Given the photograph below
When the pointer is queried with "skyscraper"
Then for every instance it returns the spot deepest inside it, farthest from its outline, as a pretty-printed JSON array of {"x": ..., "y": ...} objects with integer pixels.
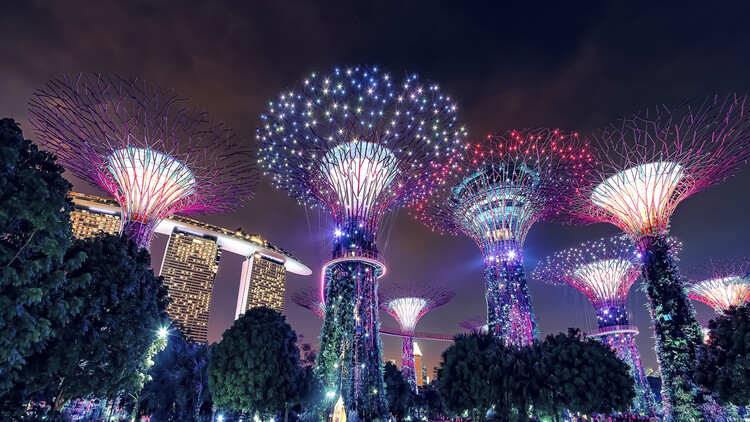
[
  {"x": 88, "y": 220},
  {"x": 191, "y": 259},
  {"x": 189, "y": 268},
  {"x": 262, "y": 283},
  {"x": 419, "y": 365}
]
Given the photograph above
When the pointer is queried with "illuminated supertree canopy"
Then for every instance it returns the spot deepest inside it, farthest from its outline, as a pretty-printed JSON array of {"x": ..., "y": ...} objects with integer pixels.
[
  {"x": 604, "y": 270},
  {"x": 407, "y": 303},
  {"x": 148, "y": 147},
  {"x": 475, "y": 323},
  {"x": 494, "y": 193},
  {"x": 721, "y": 284},
  {"x": 309, "y": 298},
  {"x": 647, "y": 164},
  {"x": 358, "y": 143}
]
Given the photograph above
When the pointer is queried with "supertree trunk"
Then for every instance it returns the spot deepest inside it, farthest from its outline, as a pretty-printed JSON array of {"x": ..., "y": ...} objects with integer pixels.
[
  {"x": 625, "y": 348},
  {"x": 334, "y": 366},
  {"x": 407, "y": 362},
  {"x": 676, "y": 329},
  {"x": 368, "y": 380},
  {"x": 350, "y": 362},
  {"x": 509, "y": 313},
  {"x": 138, "y": 231}
]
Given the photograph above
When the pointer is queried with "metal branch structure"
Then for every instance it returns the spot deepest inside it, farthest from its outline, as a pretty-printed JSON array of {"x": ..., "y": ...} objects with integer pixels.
[
  {"x": 604, "y": 270},
  {"x": 309, "y": 298},
  {"x": 494, "y": 193},
  {"x": 357, "y": 143},
  {"x": 720, "y": 284},
  {"x": 648, "y": 164},
  {"x": 407, "y": 303},
  {"x": 150, "y": 148},
  {"x": 477, "y": 324}
]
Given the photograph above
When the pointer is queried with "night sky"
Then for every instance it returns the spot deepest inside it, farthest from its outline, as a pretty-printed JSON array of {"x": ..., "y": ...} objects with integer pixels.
[{"x": 568, "y": 66}]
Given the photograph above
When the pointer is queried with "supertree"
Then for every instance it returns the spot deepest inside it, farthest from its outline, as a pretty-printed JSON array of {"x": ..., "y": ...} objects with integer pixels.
[
  {"x": 604, "y": 271},
  {"x": 309, "y": 298},
  {"x": 476, "y": 323},
  {"x": 407, "y": 303},
  {"x": 357, "y": 143},
  {"x": 720, "y": 284},
  {"x": 148, "y": 147},
  {"x": 648, "y": 164},
  {"x": 495, "y": 192}
]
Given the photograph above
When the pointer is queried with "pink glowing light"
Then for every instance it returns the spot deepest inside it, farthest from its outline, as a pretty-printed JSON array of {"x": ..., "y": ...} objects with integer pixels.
[{"x": 721, "y": 284}]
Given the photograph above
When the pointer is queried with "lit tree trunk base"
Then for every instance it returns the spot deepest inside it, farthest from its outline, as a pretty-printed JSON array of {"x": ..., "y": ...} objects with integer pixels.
[
  {"x": 350, "y": 360},
  {"x": 407, "y": 362},
  {"x": 625, "y": 348},
  {"x": 676, "y": 330},
  {"x": 138, "y": 231},
  {"x": 509, "y": 312}
]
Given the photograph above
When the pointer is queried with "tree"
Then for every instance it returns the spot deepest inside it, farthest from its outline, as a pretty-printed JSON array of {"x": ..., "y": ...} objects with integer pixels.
[
  {"x": 518, "y": 380},
  {"x": 585, "y": 375},
  {"x": 462, "y": 375},
  {"x": 723, "y": 364},
  {"x": 397, "y": 391},
  {"x": 178, "y": 389},
  {"x": 256, "y": 366},
  {"x": 34, "y": 234},
  {"x": 432, "y": 404},
  {"x": 105, "y": 349}
]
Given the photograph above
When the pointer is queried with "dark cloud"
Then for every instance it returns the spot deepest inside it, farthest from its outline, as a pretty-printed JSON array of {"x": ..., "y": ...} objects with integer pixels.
[{"x": 571, "y": 65}]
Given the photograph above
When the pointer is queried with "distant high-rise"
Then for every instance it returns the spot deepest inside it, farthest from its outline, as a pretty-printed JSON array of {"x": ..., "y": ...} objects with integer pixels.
[
  {"x": 87, "y": 223},
  {"x": 419, "y": 366},
  {"x": 190, "y": 262},
  {"x": 263, "y": 282},
  {"x": 189, "y": 269}
]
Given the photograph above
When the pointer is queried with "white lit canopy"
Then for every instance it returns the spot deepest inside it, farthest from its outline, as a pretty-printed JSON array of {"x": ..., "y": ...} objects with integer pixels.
[
  {"x": 722, "y": 293},
  {"x": 407, "y": 311},
  {"x": 359, "y": 173},
  {"x": 640, "y": 199},
  {"x": 605, "y": 280},
  {"x": 150, "y": 184}
]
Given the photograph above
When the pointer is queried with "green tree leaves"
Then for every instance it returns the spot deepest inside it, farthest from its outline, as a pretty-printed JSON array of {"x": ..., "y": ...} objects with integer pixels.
[
  {"x": 34, "y": 234},
  {"x": 566, "y": 371},
  {"x": 256, "y": 366},
  {"x": 724, "y": 362},
  {"x": 104, "y": 349}
]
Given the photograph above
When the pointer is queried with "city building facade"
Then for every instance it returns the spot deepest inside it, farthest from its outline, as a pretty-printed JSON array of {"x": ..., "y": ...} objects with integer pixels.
[{"x": 191, "y": 260}]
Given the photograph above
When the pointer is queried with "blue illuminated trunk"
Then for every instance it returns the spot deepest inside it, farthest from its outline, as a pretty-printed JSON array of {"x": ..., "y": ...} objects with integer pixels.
[
  {"x": 509, "y": 312},
  {"x": 350, "y": 362},
  {"x": 615, "y": 317}
]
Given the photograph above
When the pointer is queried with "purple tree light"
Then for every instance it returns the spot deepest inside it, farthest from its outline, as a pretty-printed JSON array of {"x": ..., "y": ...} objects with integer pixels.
[
  {"x": 149, "y": 148},
  {"x": 494, "y": 193},
  {"x": 604, "y": 271},
  {"x": 477, "y": 324},
  {"x": 357, "y": 143},
  {"x": 407, "y": 303},
  {"x": 309, "y": 298},
  {"x": 649, "y": 163},
  {"x": 720, "y": 284}
]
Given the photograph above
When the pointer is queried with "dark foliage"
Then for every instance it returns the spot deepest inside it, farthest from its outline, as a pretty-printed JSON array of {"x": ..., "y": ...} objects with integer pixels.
[
  {"x": 178, "y": 389},
  {"x": 585, "y": 376},
  {"x": 723, "y": 365},
  {"x": 257, "y": 365},
  {"x": 398, "y": 392},
  {"x": 105, "y": 349},
  {"x": 462, "y": 375},
  {"x": 566, "y": 371},
  {"x": 34, "y": 234}
]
